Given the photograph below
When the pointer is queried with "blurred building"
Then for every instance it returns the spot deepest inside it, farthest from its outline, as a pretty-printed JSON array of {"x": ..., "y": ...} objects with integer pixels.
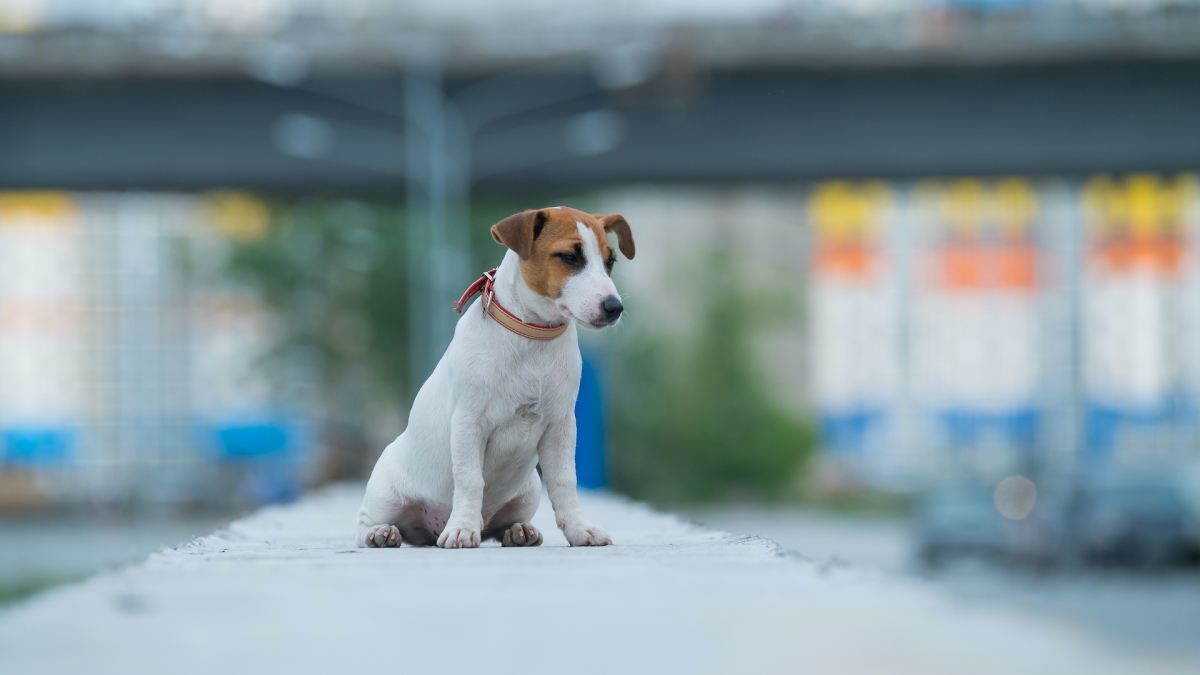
[
  {"x": 1026, "y": 326},
  {"x": 951, "y": 195},
  {"x": 128, "y": 365}
]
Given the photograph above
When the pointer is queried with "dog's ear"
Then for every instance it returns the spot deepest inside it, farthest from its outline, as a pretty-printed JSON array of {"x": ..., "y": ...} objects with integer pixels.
[
  {"x": 518, "y": 231},
  {"x": 615, "y": 222}
]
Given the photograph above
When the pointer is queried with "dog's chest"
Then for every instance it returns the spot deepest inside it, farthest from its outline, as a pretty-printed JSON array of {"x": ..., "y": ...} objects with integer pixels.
[
  {"x": 525, "y": 386},
  {"x": 528, "y": 412},
  {"x": 518, "y": 424},
  {"x": 531, "y": 398}
]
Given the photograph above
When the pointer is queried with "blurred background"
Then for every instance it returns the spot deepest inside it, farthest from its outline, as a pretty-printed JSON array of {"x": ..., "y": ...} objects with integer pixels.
[{"x": 918, "y": 285}]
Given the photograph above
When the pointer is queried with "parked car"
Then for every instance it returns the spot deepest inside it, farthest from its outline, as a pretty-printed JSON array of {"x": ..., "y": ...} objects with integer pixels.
[
  {"x": 1144, "y": 520},
  {"x": 959, "y": 521},
  {"x": 962, "y": 521},
  {"x": 1188, "y": 480}
]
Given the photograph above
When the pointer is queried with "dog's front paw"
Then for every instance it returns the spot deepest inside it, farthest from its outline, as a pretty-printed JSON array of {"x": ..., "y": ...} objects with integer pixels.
[
  {"x": 383, "y": 536},
  {"x": 455, "y": 536},
  {"x": 586, "y": 534}
]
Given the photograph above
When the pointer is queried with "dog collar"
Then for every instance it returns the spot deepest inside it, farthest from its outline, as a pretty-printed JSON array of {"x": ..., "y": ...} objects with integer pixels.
[{"x": 485, "y": 284}]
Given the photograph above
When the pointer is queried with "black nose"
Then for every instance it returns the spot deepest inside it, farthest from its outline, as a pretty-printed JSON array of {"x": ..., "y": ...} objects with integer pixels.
[{"x": 612, "y": 308}]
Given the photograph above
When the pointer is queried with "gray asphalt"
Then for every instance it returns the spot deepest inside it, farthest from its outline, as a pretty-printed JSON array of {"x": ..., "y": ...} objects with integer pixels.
[
  {"x": 1153, "y": 613},
  {"x": 48, "y": 549}
]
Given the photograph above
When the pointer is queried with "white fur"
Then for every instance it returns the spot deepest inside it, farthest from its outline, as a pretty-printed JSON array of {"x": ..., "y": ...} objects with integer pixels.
[
  {"x": 583, "y": 292},
  {"x": 496, "y": 405}
]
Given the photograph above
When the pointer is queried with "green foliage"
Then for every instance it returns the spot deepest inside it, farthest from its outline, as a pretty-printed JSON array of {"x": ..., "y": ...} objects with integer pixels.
[
  {"x": 692, "y": 419},
  {"x": 334, "y": 271}
]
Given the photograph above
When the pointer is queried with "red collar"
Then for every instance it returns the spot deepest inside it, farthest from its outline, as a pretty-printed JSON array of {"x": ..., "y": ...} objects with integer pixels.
[{"x": 485, "y": 284}]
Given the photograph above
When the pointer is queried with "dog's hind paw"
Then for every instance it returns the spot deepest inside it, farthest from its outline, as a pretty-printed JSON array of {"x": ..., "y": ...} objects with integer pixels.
[
  {"x": 383, "y": 536},
  {"x": 521, "y": 534}
]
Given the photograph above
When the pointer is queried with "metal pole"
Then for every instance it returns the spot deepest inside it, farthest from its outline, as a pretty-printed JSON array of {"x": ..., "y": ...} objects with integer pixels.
[
  {"x": 437, "y": 161},
  {"x": 902, "y": 243},
  {"x": 422, "y": 110},
  {"x": 454, "y": 257}
]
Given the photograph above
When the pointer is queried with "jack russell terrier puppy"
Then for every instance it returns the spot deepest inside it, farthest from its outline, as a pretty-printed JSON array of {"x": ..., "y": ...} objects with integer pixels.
[{"x": 502, "y": 399}]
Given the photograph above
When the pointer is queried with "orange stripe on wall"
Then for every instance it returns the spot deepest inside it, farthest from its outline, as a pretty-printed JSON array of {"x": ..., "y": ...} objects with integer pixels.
[
  {"x": 847, "y": 261},
  {"x": 1123, "y": 257},
  {"x": 961, "y": 267}
]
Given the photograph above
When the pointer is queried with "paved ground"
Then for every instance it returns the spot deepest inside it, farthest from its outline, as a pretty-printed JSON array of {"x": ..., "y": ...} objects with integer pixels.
[
  {"x": 283, "y": 591},
  {"x": 1138, "y": 611},
  {"x": 885, "y": 544}
]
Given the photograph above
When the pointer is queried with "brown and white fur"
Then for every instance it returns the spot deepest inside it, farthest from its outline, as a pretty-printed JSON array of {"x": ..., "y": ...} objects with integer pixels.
[{"x": 498, "y": 403}]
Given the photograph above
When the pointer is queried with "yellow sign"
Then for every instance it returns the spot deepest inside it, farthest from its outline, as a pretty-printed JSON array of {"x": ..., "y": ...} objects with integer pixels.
[
  {"x": 970, "y": 207},
  {"x": 1142, "y": 206},
  {"x": 843, "y": 212},
  {"x": 239, "y": 216},
  {"x": 43, "y": 208}
]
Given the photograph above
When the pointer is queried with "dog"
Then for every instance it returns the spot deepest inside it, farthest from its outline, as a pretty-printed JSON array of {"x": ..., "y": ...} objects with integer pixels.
[{"x": 501, "y": 400}]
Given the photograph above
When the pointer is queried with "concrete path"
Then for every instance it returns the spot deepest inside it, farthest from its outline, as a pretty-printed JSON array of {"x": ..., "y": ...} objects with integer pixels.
[{"x": 283, "y": 591}]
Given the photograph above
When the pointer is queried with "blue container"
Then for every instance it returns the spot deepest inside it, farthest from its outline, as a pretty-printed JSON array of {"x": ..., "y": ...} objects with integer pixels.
[
  {"x": 36, "y": 446},
  {"x": 589, "y": 427},
  {"x": 266, "y": 439}
]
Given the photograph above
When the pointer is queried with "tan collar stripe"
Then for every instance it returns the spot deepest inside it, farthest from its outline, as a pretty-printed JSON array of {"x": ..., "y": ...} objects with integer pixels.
[{"x": 529, "y": 330}]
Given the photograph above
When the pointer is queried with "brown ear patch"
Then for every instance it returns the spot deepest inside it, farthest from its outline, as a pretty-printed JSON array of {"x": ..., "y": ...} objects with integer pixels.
[
  {"x": 518, "y": 231},
  {"x": 616, "y": 223}
]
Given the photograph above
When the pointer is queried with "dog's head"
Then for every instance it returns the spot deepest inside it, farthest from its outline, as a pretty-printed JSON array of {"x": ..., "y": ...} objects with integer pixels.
[{"x": 565, "y": 256}]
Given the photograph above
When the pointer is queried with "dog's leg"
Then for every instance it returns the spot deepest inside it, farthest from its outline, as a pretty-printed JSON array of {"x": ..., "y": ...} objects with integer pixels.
[
  {"x": 376, "y": 518},
  {"x": 467, "y": 441},
  {"x": 556, "y": 453},
  {"x": 510, "y": 526}
]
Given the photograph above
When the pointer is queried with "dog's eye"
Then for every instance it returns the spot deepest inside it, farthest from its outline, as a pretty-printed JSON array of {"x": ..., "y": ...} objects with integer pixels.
[
  {"x": 610, "y": 263},
  {"x": 569, "y": 258}
]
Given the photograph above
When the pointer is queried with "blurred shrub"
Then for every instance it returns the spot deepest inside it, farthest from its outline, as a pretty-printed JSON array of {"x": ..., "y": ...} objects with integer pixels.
[
  {"x": 692, "y": 418},
  {"x": 333, "y": 272}
]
